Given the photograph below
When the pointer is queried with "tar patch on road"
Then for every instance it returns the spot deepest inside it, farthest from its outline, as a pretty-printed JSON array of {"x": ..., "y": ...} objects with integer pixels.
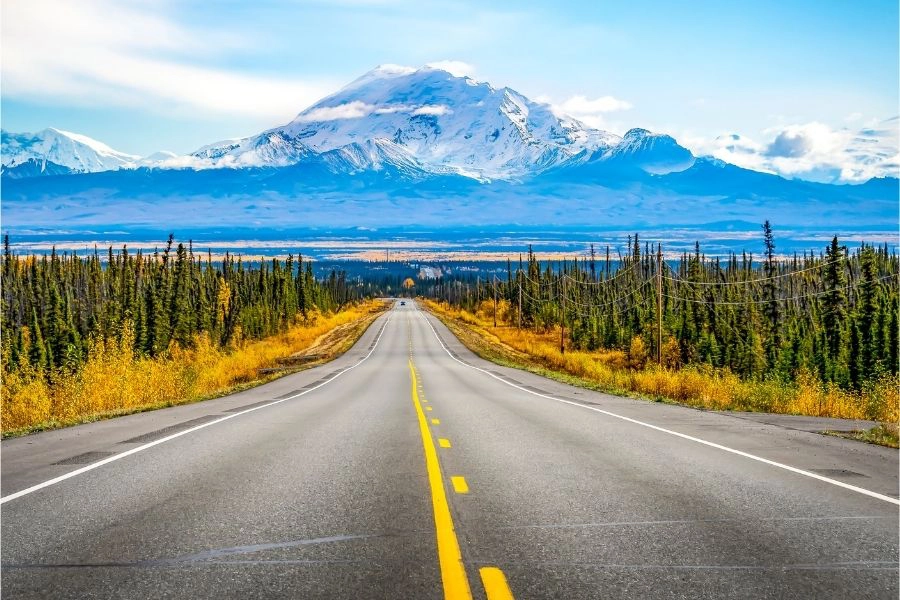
[
  {"x": 837, "y": 473},
  {"x": 260, "y": 403},
  {"x": 84, "y": 459},
  {"x": 161, "y": 433}
]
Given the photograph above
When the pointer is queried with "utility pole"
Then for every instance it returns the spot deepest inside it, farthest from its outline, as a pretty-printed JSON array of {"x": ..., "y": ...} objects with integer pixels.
[
  {"x": 495, "y": 300},
  {"x": 659, "y": 304},
  {"x": 562, "y": 321},
  {"x": 518, "y": 276}
]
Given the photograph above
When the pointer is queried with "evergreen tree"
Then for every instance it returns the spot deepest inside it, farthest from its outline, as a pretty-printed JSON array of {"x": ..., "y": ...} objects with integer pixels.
[
  {"x": 834, "y": 310},
  {"x": 771, "y": 308},
  {"x": 868, "y": 308}
]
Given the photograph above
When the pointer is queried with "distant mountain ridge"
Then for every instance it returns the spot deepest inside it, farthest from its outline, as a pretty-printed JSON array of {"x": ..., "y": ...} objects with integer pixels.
[
  {"x": 422, "y": 122},
  {"x": 410, "y": 123},
  {"x": 54, "y": 152}
]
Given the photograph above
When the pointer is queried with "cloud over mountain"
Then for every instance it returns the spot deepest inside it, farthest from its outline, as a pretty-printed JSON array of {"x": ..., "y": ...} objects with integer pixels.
[
  {"x": 813, "y": 151},
  {"x": 428, "y": 120}
]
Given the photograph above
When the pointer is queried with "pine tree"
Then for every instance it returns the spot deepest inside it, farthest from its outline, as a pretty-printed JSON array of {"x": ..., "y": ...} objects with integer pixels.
[
  {"x": 868, "y": 308},
  {"x": 834, "y": 311},
  {"x": 771, "y": 309},
  {"x": 38, "y": 355},
  {"x": 180, "y": 307}
]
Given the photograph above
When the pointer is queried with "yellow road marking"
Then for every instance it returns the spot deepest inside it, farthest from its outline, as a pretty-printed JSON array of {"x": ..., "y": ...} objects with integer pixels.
[
  {"x": 495, "y": 585},
  {"x": 459, "y": 484},
  {"x": 443, "y": 442},
  {"x": 453, "y": 572},
  {"x": 435, "y": 421},
  {"x": 428, "y": 408}
]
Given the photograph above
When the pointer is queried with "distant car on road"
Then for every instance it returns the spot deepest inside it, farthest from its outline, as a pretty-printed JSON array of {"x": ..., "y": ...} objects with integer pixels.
[{"x": 402, "y": 303}]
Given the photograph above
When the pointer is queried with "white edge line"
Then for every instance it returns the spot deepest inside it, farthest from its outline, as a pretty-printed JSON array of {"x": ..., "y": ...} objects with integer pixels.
[
  {"x": 110, "y": 459},
  {"x": 675, "y": 433}
]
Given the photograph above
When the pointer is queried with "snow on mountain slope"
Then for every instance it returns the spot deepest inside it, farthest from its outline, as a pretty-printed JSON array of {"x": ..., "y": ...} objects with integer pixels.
[
  {"x": 78, "y": 153},
  {"x": 443, "y": 121},
  {"x": 654, "y": 153},
  {"x": 416, "y": 123},
  {"x": 33, "y": 167},
  {"x": 372, "y": 155},
  {"x": 271, "y": 149},
  {"x": 157, "y": 159}
]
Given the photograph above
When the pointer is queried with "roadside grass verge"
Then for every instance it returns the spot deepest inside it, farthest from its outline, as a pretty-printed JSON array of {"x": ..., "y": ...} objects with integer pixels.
[
  {"x": 883, "y": 435},
  {"x": 627, "y": 374},
  {"x": 115, "y": 382}
]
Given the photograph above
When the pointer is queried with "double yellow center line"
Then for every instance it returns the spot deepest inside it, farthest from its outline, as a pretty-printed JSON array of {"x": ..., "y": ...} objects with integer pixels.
[{"x": 453, "y": 571}]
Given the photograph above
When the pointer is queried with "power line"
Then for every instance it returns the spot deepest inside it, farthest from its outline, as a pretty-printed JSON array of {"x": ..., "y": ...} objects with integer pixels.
[
  {"x": 746, "y": 302},
  {"x": 745, "y": 282},
  {"x": 614, "y": 300},
  {"x": 619, "y": 273}
]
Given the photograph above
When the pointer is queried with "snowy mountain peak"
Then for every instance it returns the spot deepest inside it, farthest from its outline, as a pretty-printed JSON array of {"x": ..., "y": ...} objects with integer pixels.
[
  {"x": 447, "y": 122},
  {"x": 416, "y": 122},
  {"x": 75, "y": 152},
  {"x": 636, "y": 133},
  {"x": 655, "y": 153}
]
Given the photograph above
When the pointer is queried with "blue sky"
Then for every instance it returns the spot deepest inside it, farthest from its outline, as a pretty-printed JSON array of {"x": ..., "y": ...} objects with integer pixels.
[{"x": 144, "y": 76}]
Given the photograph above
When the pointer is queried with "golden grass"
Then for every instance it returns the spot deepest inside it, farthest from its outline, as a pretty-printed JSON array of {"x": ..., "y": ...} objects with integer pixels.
[
  {"x": 115, "y": 381},
  {"x": 628, "y": 373},
  {"x": 885, "y": 434}
]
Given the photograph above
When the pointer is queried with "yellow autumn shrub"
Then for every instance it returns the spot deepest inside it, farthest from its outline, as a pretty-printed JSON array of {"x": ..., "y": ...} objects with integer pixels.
[
  {"x": 114, "y": 380},
  {"x": 700, "y": 385}
]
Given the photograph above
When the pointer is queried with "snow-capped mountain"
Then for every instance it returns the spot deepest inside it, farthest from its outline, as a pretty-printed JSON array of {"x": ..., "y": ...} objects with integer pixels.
[
  {"x": 157, "y": 158},
  {"x": 413, "y": 122},
  {"x": 54, "y": 151},
  {"x": 410, "y": 147},
  {"x": 654, "y": 153},
  {"x": 440, "y": 121}
]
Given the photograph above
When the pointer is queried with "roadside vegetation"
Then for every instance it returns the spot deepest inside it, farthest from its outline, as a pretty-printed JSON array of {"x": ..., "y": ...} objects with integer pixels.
[
  {"x": 615, "y": 371},
  {"x": 84, "y": 339},
  {"x": 885, "y": 434},
  {"x": 813, "y": 335}
]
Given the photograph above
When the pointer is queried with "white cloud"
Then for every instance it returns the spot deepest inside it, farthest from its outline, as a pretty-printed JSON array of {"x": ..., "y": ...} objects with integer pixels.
[
  {"x": 590, "y": 112},
  {"x": 813, "y": 151},
  {"x": 392, "y": 69},
  {"x": 393, "y": 108},
  {"x": 433, "y": 109},
  {"x": 101, "y": 53},
  {"x": 358, "y": 109},
  {"x": 581, "y": 105},
  {"x": 351, "y": 110},
  {"x": 456, "y": 68}
]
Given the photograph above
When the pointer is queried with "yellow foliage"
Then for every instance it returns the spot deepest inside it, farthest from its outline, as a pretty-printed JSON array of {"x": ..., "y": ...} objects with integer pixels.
[
  {"x": 671, "y": 354},
  {"x": 637, "y": 353},
  {"x": 114, "y": 380},
  {"x": 699, "y": 386},
  {"x": 223, "y": 301}
]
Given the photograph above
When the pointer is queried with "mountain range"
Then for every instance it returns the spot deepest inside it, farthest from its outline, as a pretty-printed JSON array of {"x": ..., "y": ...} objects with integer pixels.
[
  {"x": 399, "y": 139},
  {"x": 417, "y": 121}
]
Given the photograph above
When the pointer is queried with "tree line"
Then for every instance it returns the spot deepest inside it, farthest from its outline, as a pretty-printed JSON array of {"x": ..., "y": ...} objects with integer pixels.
[
  {"x": 833, "y": 313},
  {"x": 53, "y": 305}
]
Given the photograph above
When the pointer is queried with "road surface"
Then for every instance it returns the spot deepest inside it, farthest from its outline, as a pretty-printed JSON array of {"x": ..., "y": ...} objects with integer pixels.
[{"x": 409, "y": 468}]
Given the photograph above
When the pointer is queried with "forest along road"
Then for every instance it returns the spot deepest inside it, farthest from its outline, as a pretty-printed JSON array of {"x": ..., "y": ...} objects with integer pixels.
[{"x": 409, "y": 468}]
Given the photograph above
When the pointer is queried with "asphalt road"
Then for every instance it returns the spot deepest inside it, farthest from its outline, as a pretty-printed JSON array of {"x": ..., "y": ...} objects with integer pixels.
[{"x": 409, "y": 468}]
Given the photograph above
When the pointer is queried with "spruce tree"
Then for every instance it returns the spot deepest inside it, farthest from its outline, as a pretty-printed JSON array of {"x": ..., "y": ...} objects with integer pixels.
[
  {"x": 868, "y": 308},
  {"x": 834, "y": 310},
  {"x": 770, "y": 295}
]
